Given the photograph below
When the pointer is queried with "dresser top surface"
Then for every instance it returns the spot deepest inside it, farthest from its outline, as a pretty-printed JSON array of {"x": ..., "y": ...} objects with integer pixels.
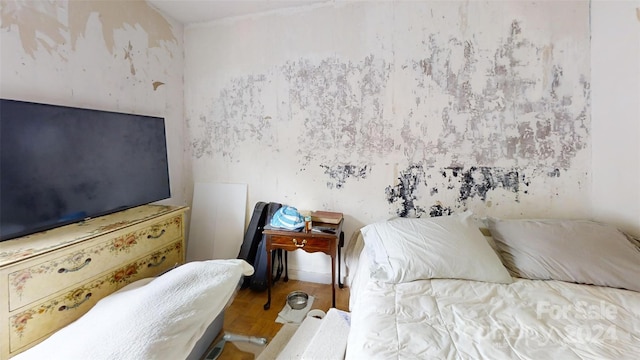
[{"x": 39, "y": 243}]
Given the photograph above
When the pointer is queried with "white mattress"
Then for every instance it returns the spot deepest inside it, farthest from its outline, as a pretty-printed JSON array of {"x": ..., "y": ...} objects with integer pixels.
[
  {"x": 153, "y": 318},
  {"x": 460, "y": 319}
]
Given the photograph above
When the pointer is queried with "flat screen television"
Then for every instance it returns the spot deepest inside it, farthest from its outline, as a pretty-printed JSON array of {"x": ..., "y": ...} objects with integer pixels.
[{"x": 60, "y": 165}]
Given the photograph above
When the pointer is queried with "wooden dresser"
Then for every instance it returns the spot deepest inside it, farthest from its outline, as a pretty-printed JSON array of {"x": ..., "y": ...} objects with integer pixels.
[{"x": 51, "y": 278}]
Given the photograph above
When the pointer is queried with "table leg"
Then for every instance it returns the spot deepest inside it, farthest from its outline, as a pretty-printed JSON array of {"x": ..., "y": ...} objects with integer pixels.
[
  {"x": 268, "y": 304},
  {"x": 333, "y": 281},
  {"x": 340, "y": 245},
  {"x": 286, "y": 266}
]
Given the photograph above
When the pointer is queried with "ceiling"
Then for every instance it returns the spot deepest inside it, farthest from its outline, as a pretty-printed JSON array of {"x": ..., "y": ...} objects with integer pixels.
[{"x": 195, "y": 11}]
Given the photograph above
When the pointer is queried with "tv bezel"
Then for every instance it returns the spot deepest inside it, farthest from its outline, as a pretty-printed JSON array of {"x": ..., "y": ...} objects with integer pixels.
[{"x": 60, "y": 223}]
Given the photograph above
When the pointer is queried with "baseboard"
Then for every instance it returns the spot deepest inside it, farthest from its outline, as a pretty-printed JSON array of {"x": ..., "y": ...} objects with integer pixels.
[{"x": 310, "y": 276}]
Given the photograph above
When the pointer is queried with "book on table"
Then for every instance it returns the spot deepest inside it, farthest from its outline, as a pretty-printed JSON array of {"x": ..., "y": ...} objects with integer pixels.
[{"x": 328, "y": 217}]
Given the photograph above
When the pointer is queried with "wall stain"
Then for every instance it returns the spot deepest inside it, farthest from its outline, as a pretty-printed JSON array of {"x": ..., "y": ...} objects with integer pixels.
[
  {"x": 129, "y": 56},
  {"x": 464, "y": 184},
  {"x": 554, "y": 173},
  {"x": 334, "y": 105},
  {"x": 514, "y": 116},
  {"x": 478, "y": 181},
  {"x": 477, "y": 117},
  {"x": 157, "y": 84},
  {"x": 34, "y": 20},
  {"x": 203, "y": 144},
  {"x": 439, "y": 210},
  {"x": 40, "y": 24},
  {"x": 237, "y": 116},
  {"x": 339, "y": 174},
  {"x": 404, "y": 194},
  {"x": 116, "y": 15},
  {"x": 340, "y": 105}
]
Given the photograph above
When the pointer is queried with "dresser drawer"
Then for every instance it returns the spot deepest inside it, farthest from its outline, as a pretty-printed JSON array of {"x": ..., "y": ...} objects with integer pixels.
[
  {"x": 307, "y": 243},
  {"x": 35, "y": 282},
  {"x": 36, "y": 322}
]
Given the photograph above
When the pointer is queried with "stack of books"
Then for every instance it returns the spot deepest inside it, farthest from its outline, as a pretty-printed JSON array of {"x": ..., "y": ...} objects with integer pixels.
[{"x": 327, "y": 217}]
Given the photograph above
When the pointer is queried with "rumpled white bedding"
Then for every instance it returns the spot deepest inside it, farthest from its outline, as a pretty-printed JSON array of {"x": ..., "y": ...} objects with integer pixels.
[
  {"x": 159, "y": 318},
  {"x": 460, "y": 319}
]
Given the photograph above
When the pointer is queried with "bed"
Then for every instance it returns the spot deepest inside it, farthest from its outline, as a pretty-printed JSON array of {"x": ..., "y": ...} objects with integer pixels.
[
  {"x": 173, "y": 316},
  {"x": 535, "y": 289}
]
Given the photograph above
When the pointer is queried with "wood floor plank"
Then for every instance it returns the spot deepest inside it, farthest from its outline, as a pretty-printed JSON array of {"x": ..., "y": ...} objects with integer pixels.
[{"x": 246, "y": 316}]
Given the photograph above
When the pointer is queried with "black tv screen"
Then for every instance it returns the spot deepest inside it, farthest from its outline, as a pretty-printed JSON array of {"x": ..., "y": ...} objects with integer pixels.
[{"x": 60, "y": 165}]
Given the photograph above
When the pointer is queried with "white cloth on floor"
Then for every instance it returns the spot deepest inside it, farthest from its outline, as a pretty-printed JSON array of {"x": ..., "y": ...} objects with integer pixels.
[
  {"x": 288, "y": 315},
  {"x": 300, "y": 339},
  {"x": 330, "y": 340}
]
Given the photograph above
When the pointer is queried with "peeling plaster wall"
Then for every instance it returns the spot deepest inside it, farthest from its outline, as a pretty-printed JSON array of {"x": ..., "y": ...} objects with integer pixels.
[
  {"x": 110, "y": 55},
  {"x": 379, "y": 109}
]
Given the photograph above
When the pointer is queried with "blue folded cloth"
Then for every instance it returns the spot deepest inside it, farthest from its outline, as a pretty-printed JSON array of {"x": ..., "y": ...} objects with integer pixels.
[{"x": 287, "y": 217}]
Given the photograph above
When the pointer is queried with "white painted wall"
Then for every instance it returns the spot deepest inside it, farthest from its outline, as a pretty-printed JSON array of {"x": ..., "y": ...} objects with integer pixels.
[
  {"x": 615, "y": 62},
  {"x": 116, "y": 56},
  {"x": 377, "y": 109}
]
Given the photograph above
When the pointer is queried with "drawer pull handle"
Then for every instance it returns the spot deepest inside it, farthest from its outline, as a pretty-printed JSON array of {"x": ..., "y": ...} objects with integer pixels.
[
  {"x": 295, "y": 242},
  {"x": 65, "y": 270},
  {"x": 157, "y": 263},
  {"x": 156, "y": 236},
  {"x": 65, "y": 307}
]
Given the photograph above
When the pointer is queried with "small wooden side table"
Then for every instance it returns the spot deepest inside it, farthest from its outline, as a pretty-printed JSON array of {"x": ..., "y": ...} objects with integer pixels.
[{"x": 307, "y": 241}]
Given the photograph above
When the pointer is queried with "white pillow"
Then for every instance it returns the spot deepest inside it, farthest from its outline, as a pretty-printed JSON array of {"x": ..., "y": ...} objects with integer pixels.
[
  {"x": 446, "y": 247},
  {"x": 579, "y": 251}
]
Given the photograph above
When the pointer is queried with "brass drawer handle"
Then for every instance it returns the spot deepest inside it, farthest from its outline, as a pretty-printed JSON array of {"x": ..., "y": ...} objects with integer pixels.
[
  {"x": 156, "y": 236},
  {"x": 65, "y": 270},
  {"x": 65, "y": 307},
  {"x": 295, "y": 242},
  {"x": 157, "y": 263}
]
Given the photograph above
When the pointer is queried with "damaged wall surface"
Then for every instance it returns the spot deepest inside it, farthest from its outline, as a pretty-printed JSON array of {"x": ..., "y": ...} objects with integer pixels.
[
  {"x": 375, "y": 109},
  {"x": 119, "y": 56},
  {"x": 381, "y": 109}
]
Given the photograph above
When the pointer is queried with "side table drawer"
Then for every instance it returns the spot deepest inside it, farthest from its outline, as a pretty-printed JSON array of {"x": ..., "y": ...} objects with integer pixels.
[
  {"x": 306, "y": 243},
  {"x": 34, "y": 282},
  {"x": 31, "y": 325}
]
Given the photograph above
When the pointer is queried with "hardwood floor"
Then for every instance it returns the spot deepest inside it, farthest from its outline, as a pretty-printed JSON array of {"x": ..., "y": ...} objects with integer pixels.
[{"x": 246, "y": 316}]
